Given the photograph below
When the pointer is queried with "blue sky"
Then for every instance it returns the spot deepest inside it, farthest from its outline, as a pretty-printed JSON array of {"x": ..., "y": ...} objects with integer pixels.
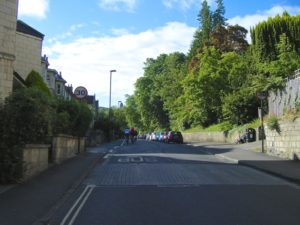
[{"x": 86, "y": 39}]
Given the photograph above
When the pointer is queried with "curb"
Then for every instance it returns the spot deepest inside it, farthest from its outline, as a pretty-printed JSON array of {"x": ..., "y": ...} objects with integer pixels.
[{"x": 293, "y": 180}]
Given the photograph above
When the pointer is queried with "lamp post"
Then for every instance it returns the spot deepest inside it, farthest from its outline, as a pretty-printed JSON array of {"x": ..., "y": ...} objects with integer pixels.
[
  {"x": 262, "y": 95},
  {"x": 109, "y": 109}
]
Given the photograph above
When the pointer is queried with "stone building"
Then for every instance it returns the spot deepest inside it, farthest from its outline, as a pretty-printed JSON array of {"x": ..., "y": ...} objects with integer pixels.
[
  {"x": 57, "y": 85},
  {"x": 8, "y": 18},
  {"x": 29, "y": 44}
]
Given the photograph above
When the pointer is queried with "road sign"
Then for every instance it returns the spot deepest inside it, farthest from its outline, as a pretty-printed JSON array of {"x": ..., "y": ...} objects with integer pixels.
[
  {"x": 80, "y": 92},
  {"x": 262, "y": 95}
]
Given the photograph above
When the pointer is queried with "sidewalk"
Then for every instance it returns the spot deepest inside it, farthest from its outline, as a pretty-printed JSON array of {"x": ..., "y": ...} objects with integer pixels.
[
  {"x": 47, "y": 191},
  {"x": 244, "y": 154}
]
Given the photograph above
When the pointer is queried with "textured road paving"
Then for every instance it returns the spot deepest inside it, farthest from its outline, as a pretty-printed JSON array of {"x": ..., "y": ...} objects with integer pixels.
[{"x": 159, "y": 184}]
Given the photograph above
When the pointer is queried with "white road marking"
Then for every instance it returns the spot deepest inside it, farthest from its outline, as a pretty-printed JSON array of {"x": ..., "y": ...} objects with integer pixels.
[{"x": 84, "y": 196}]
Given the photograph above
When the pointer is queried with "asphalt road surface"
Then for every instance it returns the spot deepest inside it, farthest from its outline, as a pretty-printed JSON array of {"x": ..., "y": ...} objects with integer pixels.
[{"x": 151, "y": 183}]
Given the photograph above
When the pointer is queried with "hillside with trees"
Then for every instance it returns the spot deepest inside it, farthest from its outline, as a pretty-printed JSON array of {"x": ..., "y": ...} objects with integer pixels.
[{"x": 218, "y": 79}]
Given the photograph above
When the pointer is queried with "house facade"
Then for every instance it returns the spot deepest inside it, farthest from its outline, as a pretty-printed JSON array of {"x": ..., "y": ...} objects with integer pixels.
[
  {"x": 8, "y": 15},
  {"x": 29, "y": 43}
]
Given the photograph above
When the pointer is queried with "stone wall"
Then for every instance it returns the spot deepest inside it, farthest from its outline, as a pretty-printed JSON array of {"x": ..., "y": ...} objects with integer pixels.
[
  {"x": 28, "y": 54},
  {"x": 65, "y": 147},
  {"x": 35, "y": 158},
  {"x": 205, "y": 137},
  {"x": 286, "y": 143},
  {"x": 222, "y": 137},
  {"x": 8, "y": 20}
]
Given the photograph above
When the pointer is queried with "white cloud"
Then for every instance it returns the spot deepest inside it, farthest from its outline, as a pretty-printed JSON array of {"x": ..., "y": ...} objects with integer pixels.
[
  {"x": 68, "y": 34},
  {"x": 249, "y": 21},
  {"x": 87, "y": 61},
  {"x": 117, "y": 5},
  {"x": 184, "y": 4},
  {"x": 33, "y": 8}
]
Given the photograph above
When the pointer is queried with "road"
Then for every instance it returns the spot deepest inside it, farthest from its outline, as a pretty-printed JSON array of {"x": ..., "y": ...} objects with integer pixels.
[{"x": 151, "y": 183}]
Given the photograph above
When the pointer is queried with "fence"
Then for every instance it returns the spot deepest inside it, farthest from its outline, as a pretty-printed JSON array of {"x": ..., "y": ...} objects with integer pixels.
[{"x": 285, "y": 99}]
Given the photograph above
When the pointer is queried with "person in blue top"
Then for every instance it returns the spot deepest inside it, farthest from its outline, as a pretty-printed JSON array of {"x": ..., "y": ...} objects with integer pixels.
[{"x": 127, "y": 134}]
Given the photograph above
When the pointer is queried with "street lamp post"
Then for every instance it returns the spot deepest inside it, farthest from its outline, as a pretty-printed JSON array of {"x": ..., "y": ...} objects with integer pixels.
[
  {"x": 109, "y": 109},
  {"x": 262, "y": 95}
]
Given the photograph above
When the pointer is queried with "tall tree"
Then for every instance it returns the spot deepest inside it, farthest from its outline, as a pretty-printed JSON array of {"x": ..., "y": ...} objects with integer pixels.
[
  {"x": 205, "y": 19},
  {"x": 266, "y": 35},
  {"x": 218, "y": 18}
]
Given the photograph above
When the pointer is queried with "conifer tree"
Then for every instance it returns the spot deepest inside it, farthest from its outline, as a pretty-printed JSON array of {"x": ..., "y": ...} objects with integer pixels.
[
  {"x": 218, "y": 18},
  {"x": 205, "y": 19}
]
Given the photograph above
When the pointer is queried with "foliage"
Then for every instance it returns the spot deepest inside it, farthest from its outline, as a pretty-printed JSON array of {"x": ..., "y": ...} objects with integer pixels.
[
  {"x": 73, "y": 117},
  {"x": 34, "y": 79},
  {"x": 25, "y": 118},
  {"x": 218, "y": 18},
  {"x": 119, "y": 122},
  {"x": 266, "y": 35},
  {"x": 224, "y": 126},
  {"x": 205, "y": 19},
  {"x": 132, "y": 114},
  {"x": 230, "y": 38},
  {"x": 217, "y": 81},
  {"x": 273, "y": 123}
]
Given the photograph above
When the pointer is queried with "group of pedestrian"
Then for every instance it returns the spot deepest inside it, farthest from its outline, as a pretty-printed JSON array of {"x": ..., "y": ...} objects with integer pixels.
[{"x": 130, "y": 134}]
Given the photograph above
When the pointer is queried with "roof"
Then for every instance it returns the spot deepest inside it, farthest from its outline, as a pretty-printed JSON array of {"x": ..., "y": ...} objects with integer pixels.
[
  {"x": 58, "y": 77},
  {"x": 26, "y": 29}
]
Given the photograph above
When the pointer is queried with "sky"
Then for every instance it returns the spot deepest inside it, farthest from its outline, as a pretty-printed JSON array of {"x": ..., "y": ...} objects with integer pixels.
[{"x": 86, "y": 39}]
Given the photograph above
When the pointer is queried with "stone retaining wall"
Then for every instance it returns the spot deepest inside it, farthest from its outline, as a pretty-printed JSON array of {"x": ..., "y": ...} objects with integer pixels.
[
  {"x": 286, "y": 143},
  {"x": 222, "y": 137},
  {"x": 35, "y": 160},
  {"x": 205, "y": 137}
]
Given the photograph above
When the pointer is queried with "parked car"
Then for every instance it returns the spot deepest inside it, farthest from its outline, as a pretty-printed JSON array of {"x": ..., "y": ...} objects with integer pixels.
[
  {"x": 162, "y": 136},
  {"x": 174, "y": 137}
]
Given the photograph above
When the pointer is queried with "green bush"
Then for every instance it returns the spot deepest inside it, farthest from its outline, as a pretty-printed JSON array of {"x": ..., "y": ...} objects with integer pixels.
[
  {"x": 34, "y": 79},
  {"x": 273, "y": 123},
  {"x": 25, "y": 118},
  {"x": 72, "y": 117},
  {"x": 30, "y": 116}
]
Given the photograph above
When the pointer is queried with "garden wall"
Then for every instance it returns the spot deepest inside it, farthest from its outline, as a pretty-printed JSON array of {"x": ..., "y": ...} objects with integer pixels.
[
  {"x": 35, "y": 160},
  {"x": 65, "y": 147}
]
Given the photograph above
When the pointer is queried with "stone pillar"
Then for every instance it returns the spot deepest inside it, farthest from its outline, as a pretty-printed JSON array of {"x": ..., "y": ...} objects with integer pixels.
[{"x": 8, "y": 22}]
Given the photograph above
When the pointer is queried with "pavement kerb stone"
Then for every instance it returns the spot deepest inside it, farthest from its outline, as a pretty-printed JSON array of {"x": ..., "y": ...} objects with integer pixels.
[
  {"x": 47, "y": 218},
  {"x": 295, "y": 181}
]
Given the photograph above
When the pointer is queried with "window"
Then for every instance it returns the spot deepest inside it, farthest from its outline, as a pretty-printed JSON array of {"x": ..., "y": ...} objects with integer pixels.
[{"x": 58, "y": 90}]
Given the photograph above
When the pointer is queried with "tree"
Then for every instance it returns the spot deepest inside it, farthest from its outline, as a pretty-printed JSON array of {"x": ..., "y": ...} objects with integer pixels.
[
  {"x": 232, "y": 38},
  {"x": 133, "y": 116},
  {"x": 218, "y": 18},
  {"x": 34, "y": 79},
  {"x": 205, "y": 19},
  {"x": 73, "y": 117},
  {"x": 266, "y": 35},
  {"x": 202, "y": 89}
]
